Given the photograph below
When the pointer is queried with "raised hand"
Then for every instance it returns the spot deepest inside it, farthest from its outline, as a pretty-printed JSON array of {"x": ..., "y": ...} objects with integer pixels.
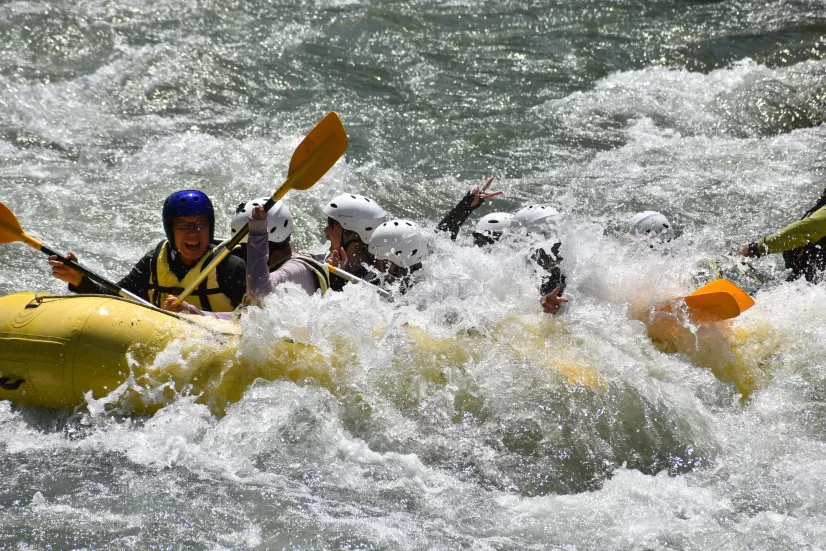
[
  {"x": 552, "y": 302},
  {"x": 258, "y": 212},
  {"x": 337, "y": 259},
  {"x": 480, "y": 193}
]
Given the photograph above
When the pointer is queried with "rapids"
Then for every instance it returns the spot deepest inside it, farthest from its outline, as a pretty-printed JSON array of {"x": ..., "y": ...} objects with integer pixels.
[{"x": 463, "y": 417}]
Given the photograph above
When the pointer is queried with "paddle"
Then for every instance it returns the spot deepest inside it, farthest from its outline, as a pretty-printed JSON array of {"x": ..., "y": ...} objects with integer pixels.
[
  {"x": 353, "y": 279},
  {"x": 315, "y": 155},
  {"x": 10, "y": 232},
  {"x": 718, "y": 300}
]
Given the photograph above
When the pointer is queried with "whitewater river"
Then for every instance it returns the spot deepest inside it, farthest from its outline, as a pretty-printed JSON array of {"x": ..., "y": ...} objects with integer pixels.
[{"x": 464, "y": 418}]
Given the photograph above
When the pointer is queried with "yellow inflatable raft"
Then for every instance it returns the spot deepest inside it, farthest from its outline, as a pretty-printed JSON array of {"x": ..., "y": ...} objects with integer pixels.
[
  {"x": 63, "y": 351},
  {"x": 53, "y": 350}
]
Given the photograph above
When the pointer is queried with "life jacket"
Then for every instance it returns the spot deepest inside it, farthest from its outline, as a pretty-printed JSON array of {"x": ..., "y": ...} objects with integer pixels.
[
  {"x": 810, "y": 259},
  {"x": 317, "y": 267},
  {"x": 163, "y": 282}
]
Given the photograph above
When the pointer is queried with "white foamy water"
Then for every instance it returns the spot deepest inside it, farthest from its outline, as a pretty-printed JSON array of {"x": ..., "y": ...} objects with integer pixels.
[{"x": 461, "y": 416}]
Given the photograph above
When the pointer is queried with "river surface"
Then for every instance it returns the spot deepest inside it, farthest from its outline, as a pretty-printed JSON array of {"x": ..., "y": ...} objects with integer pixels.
[{"x": 463, "y": 418}]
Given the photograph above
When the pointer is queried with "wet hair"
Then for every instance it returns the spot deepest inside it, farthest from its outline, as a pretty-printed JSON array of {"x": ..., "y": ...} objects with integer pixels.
[{"x": 283, "y": 247}]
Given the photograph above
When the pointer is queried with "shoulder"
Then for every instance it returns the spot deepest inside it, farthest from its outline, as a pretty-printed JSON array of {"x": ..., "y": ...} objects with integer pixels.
[{"x": 232, "y": 262}]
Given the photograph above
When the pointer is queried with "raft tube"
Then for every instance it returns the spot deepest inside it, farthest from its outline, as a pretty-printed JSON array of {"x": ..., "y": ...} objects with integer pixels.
[{"x": 54, "y": 350}]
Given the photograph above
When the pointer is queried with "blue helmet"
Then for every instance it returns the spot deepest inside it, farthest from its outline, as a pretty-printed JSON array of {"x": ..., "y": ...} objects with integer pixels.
[{"x": 187, "y": 203}]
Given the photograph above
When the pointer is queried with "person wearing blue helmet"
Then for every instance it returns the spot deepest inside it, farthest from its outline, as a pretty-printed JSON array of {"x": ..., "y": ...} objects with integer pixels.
[{"x": 168, "y": 269}]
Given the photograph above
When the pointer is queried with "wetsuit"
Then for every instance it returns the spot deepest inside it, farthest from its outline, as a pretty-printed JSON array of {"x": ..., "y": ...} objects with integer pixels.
[
  {"x": 802, "y": 243},
  {"x": 230, "y": 275}
]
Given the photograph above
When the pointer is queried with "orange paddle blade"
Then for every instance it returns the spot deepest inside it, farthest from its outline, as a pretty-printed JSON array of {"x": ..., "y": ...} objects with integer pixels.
[
  {"x": 712, "y": 306},
  {"x": 743, "y": 300}
]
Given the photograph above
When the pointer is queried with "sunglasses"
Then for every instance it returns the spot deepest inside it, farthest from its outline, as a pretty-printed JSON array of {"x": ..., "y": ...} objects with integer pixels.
[{"x": 190, "y": 226}]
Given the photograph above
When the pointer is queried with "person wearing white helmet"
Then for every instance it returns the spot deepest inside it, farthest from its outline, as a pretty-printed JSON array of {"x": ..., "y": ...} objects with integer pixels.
[
  {"x": 653, "y": 226},
  {"x": 536, "y": 220},
  {"x": 399, "y": 248},
  {"x": 351, "y": 219},
  {"x": 270, "y": 258},
  {"x": 538, "y": 223},
  {"x": 452, "y": 222},
  {"x": 490, "y": 228}
]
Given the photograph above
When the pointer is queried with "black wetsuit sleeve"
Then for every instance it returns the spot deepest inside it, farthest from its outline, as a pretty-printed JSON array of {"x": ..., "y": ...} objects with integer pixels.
[
  {"x": 137, "y": 281},
  {"x": 554, "y": 277},
  {"x": 232, "y": 278},
  {"x": 551, "y": 281},
  {"x": 453, "y": 221}
]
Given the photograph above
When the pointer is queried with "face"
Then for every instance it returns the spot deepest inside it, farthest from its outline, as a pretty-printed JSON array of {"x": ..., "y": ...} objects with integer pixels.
[
  {"x": 191, "y": 237},
  {"x": 333, "y": 232}
]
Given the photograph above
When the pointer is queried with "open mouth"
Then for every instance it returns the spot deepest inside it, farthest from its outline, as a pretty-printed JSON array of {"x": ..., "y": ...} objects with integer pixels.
[{"x": 193, "y": 246}]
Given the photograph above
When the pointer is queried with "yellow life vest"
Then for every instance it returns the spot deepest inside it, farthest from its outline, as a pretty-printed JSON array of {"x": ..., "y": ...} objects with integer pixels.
[
  {"x": 163, "y": 282},
  {"x": 317, "y": 267}
]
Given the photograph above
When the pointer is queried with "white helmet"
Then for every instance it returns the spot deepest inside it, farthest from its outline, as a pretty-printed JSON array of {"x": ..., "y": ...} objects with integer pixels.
[
  {"x": 399, "y": 241},
  {"x": 356, "y": 213},
  {"x": 651, "y": 225},
  {"x": 279, "y": 220},
  {"x": 535, "y": 218},
  {"x": 493, "y": 224}
]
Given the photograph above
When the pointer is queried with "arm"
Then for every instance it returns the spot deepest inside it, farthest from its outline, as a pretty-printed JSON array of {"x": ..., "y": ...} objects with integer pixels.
[
  {"x": 137, "y": 281},
  {"x": 258, "y": 254},
  {"x": 187, "y": 308},
  {"x": 798, "y": 234},
  {"x": 453, "y": 221}
]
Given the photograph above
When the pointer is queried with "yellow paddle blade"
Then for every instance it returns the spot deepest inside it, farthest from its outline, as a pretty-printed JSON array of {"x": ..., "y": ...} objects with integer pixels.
[
  {"x": 10, "y": 230},
  {"x": 744, "y": 301},
  {"x": 315, "y": 155}
]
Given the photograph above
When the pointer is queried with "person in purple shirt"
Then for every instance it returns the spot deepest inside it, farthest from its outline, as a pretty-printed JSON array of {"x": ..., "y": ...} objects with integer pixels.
[{"x": 271, "y": 260}]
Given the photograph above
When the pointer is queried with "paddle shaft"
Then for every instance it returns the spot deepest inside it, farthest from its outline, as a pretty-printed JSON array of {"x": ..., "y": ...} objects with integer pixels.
[
  {"x": 115, "y": 288},
  {"x": 353, "y": 279}
]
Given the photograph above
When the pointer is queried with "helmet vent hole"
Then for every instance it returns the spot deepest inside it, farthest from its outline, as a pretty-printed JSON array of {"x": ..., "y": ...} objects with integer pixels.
[
  {"x": 409, "y": 224},
  {"x": 353, "y": 196},
  {"x": 334, "y": 205},
  {"x": 395, "y": 223},
  {"x": 368, "y": 229},
  {"x": 414, "y": 252},
  {"x": 195, "y": 199},
  {"x": 286, "y": 223},
  {"x": 273, "y": 230}
]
